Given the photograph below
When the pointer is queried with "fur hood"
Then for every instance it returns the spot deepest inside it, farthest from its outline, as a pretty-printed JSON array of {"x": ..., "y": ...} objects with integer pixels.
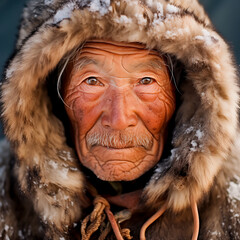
[{"x": 206, "y": 121}]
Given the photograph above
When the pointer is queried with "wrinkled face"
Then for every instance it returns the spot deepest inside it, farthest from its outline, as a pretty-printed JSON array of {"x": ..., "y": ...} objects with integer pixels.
[{"x": 119, "y": 100}]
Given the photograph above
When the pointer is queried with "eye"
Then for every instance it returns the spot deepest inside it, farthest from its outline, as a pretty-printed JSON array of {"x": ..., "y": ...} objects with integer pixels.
[
  {"x": 93, "y": 81},
  {"x": 146, "y": 81}
]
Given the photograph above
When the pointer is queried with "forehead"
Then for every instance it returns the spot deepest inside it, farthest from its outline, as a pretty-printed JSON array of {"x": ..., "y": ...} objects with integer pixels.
[
  {"x": 130, "y": 54},
  {"x": 120, "y": 48}
]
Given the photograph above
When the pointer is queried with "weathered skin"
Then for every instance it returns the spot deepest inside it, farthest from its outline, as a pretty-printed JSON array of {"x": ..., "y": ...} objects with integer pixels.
[{"x": 121, "y": 95}]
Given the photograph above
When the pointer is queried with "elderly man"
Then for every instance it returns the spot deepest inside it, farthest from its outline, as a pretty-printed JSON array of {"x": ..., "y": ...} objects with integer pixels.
[
  {"x": 122, "y": 118},
  {"x": 119, "y": 99}
]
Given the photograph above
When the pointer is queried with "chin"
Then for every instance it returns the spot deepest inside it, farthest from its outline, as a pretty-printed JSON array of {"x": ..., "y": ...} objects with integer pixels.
[
  {"x": 116, "y": 178},
  {"x": 116, "y": 175},
  {"x": 123, "y": 168}
]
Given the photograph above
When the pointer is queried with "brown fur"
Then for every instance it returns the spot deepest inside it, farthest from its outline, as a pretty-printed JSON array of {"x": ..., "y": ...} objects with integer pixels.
[{"x": 46, "y": 165}]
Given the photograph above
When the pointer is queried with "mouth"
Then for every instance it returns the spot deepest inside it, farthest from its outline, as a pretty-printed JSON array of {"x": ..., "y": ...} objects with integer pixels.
[{"x": 117, "y": 147}]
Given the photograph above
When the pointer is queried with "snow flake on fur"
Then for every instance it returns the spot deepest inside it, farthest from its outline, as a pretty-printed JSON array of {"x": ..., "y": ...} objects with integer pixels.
[
  {"x": 9, "y": 72},
  {"x": 140, "y": 19},
  {"x": 197, "y": 134},
  {"x": 175, "y": 33},
  {"x": 234, "y": 189},
  {"x": 64, "y": 13},
  {"x": 48, "y": 2},
  {"x": 207, "y": 38},
  {"x": 123, "y": 19},
  {"x": 101, "y": 6},
  {"x": 172, "y": 9},
  {"x": 165, "y": 164}
]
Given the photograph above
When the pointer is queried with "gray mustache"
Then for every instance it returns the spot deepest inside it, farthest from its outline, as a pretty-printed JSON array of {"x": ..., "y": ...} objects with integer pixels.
[{"x": 119, "y": 140}]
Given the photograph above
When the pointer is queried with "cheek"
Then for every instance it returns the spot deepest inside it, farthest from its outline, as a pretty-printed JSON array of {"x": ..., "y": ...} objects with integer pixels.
[
  {"x": 157, "y": 112},
  {"x": 83, "y": 111},
  {"x": 153, "y": 116}
]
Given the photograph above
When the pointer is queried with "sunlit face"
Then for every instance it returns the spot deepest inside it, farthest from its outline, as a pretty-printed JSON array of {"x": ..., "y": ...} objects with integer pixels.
[{"x": 119, "y": 100}]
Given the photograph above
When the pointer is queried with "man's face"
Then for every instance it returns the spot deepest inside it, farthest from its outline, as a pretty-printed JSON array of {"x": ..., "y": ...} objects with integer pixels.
[{"x": 119, "y": 100}]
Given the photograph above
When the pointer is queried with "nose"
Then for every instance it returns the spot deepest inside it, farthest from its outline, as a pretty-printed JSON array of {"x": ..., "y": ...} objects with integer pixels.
[{"x": 120, "y": 112}]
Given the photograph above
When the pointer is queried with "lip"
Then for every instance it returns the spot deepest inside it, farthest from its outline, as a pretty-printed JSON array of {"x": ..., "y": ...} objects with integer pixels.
[
  {"x": 116, "y": 147},
  {"x": 105, "y": 154},
  {"x": 122, "y": 150}
]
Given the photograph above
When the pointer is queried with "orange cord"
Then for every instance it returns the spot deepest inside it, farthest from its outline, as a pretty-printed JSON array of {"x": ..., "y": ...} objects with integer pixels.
[
  {"x": 159, "y": 213},
  {"x": 151, "y": 220},
  {"x": 195, "y": 220},
  {"x": 114, "y": 225},
  {"x": 162, "y": 210}
]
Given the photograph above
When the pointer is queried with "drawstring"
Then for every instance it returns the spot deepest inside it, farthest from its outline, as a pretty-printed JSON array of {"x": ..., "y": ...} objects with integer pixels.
[
  {"x": 97, "y": 217},
  {"x": 151, "y": 220},
  {"x": 120, "y": 217},
  {"x": 162, "y": 210},
  {"x": 113, "y": 222},
  {"x": 195, "y": 220}
]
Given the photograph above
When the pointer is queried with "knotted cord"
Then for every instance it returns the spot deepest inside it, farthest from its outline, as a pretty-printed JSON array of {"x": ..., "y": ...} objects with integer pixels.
[{"x": 97, "y": 217}]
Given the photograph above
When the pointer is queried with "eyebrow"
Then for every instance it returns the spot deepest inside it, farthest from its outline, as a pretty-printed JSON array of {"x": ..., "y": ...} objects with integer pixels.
[
  {"x": 80, "y": 63},
  {"x": 153, "y": 64}
]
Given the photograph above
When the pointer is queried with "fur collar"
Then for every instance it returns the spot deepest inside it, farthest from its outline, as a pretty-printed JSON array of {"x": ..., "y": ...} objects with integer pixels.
[{"x": 206, "y": 120}]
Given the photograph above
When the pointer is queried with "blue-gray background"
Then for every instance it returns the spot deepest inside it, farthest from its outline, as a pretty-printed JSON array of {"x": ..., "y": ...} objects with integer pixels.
[{"x": 224, "y": 14}]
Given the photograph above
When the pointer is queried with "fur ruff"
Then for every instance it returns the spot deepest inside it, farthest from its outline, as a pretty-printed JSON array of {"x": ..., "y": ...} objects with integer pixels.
[{"x": 206, "y": 121}]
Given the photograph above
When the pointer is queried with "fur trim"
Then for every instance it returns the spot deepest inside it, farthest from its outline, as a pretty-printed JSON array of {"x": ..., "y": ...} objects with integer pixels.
[
  {"x": 206, "y": 122},
  {"x": 7, "y": 218}
]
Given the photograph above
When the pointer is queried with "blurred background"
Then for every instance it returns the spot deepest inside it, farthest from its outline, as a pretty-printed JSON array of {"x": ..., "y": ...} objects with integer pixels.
[{"x": 223, "y": 13}]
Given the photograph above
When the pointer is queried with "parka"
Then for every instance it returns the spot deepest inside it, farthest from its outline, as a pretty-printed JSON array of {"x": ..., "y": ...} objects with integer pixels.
[{"x": 45, "y": 192}]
